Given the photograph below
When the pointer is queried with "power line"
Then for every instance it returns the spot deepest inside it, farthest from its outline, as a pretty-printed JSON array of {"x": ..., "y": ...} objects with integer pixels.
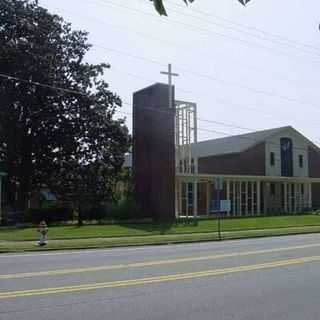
[
  {"x": 204, "y": 30},
  {"x": 212, "y": 78},
  {"x": 259, "y": 37},
  {"x": 109, "y": 49},
  {"x": 220, "y": 100},
  {"x": 227, "y": 134},
  {"x": 259, "y": 30},
  {"x": 179, "y": 46},
  {"x": 215, "y": 79},
  {"x": 8, "y": 77}
]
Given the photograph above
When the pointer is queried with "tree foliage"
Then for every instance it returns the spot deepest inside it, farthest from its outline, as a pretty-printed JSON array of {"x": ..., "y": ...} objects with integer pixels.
[
  {"x": 158, "y": 4},
  {"x": 56, "y": 112}
]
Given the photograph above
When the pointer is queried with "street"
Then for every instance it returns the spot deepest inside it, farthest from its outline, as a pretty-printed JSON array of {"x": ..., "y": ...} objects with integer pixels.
[{"x": 266, "y": 278}]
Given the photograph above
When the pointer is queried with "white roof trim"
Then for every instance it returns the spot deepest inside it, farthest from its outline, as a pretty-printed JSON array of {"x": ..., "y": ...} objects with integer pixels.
[{"x": 210, "y": 177}]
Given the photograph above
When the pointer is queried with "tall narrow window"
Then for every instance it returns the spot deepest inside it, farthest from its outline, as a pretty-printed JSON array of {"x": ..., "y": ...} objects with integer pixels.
[
  {"x": 272, "y": 189},
  {"x": 286, "y": 157},
  {"x": 300, "y": 160},
  {"x": 272, "y": 159}
]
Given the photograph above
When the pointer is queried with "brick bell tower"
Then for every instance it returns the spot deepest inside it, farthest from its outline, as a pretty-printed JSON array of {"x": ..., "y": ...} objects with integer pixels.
[{"x": 154, "y": 151}]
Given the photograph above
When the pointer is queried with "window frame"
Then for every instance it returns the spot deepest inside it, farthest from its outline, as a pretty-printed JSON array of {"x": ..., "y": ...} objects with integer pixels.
[
  {"x": 272, "y": 159},
  {"x": 301, "y": 160}
]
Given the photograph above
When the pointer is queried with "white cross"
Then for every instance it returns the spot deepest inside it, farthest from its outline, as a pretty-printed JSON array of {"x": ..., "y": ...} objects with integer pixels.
[{"x": 170, "y": 75}]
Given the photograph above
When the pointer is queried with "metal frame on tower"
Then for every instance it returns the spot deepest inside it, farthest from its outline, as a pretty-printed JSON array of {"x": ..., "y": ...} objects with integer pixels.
[
  {"x": 186, "y": 159},
  {"x": 186, "y": 135}
]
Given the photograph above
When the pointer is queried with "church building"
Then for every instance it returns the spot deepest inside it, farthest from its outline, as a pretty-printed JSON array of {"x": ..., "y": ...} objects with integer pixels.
[{"x": 269, "y": 171}]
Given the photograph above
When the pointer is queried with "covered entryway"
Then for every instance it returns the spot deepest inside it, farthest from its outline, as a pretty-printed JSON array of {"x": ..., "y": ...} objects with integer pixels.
[{"x": 196, "y": 194}]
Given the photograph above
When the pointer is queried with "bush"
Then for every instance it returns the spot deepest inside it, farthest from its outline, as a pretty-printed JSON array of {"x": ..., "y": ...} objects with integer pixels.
[
  {"x": 93, "y": 213},
  {"x": 50, "y": 214},
  {"x": 126, "y": 209}
]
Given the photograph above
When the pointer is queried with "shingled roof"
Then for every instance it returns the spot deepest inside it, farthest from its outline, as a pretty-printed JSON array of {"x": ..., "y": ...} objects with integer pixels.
[
  {"x": 238, "y": 143},
  {"x": 233, "y": 144}
]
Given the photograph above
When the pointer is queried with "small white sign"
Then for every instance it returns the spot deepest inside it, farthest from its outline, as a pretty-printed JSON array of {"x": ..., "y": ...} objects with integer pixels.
[{"x": 225, "y": 205}]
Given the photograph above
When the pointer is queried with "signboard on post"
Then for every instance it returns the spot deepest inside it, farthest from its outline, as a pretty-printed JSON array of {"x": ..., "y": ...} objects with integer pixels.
[
  {"x": 225, "y": 205},
  {"x": 217, "y": 206}
]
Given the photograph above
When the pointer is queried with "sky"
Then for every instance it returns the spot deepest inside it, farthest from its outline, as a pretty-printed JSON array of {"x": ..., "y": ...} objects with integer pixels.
[{"x": 247, "y": 68}]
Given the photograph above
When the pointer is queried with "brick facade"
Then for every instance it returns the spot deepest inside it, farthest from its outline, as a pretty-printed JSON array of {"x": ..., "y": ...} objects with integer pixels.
[
  {"x": 250, "y": 162},
  {"x": 314, "y": 172},
  {"x": 154, "y": 152}
]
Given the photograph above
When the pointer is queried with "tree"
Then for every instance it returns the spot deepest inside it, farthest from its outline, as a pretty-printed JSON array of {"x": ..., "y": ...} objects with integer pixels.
[
  {"x": 158, "y": 4},
  {"x": 56, "y": 112}
]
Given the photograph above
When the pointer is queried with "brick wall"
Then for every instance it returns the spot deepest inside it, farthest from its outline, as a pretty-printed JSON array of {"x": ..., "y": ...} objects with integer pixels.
[
  {"x": 250, "y": 162},
  {"x": 154, "y": 152}
]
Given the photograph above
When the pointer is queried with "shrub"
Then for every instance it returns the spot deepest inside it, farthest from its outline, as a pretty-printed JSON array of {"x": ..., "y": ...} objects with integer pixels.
[
  {"x": 93, "y": 213},
  {"x": 50, "y": 214},
  {"x": 125, "y": 209}
]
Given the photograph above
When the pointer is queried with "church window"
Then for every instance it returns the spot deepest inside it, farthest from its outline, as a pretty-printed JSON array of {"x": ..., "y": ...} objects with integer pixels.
[
  {"x": 300, "y": 160},
  {"x": 272, "y": 159}
]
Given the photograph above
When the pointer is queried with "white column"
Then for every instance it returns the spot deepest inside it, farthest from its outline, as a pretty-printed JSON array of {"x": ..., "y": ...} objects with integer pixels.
[
  {"x": 208, "y": 197},
  {"x": 0, "y": 198},
  {"x": 187, "y": 199},
  {"x": 234, "y": 200},
  {"x": 180, "y": 197},
  {"x": 195, "y": 198},
  {"x": 300, "y": 199},
  {"x": 295, "y": 193},
  {"x": 246, "y": 196},
  {"x": 253, "y": 187},
  {"x": 240, "y": 198},
  {"x": 310, "y": 195},
  {"x": 289, "y": 198},
  {"x": 228, "y": 194},
  {"x": 285, "y": 196},
  {"x": 258, "y": 197},
  {"x": 176, "y": 196}
]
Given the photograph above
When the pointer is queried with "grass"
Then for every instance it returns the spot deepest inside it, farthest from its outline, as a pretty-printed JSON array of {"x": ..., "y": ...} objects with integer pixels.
[{"x": 96, "y": 236}]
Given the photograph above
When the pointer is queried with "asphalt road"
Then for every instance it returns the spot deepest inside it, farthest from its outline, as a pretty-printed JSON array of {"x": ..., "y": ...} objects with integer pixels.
[{"x": 267, "y": 278}]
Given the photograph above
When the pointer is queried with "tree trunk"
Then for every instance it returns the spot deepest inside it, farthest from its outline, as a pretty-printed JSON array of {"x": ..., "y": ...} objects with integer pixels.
[
  {"x": 80, "y": 216},
  {"x": 24, "y": 194}
]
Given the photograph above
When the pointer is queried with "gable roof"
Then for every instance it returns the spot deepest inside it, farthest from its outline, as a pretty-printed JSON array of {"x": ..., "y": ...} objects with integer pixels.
[
  {"x": 233, "y": 144},
  {"x": 238, "y": 143}
]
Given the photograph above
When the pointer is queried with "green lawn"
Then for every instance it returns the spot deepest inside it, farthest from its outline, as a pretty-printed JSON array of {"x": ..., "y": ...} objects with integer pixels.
[
  {"x": 19, "y": 246},
  {"x": 135, "y": 230}
]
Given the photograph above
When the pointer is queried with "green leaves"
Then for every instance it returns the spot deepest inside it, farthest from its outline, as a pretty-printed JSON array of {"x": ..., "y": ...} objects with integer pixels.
[
  {"x": 49, "y": 136},
  {"x": 244, "y": 2},
  {"x": 159, "y": 7},
  {"x": 158, "y": 4}
]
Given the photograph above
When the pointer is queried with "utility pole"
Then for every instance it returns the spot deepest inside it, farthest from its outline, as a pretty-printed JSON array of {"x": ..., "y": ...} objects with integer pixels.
[{"x": 170, "y": 74}]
